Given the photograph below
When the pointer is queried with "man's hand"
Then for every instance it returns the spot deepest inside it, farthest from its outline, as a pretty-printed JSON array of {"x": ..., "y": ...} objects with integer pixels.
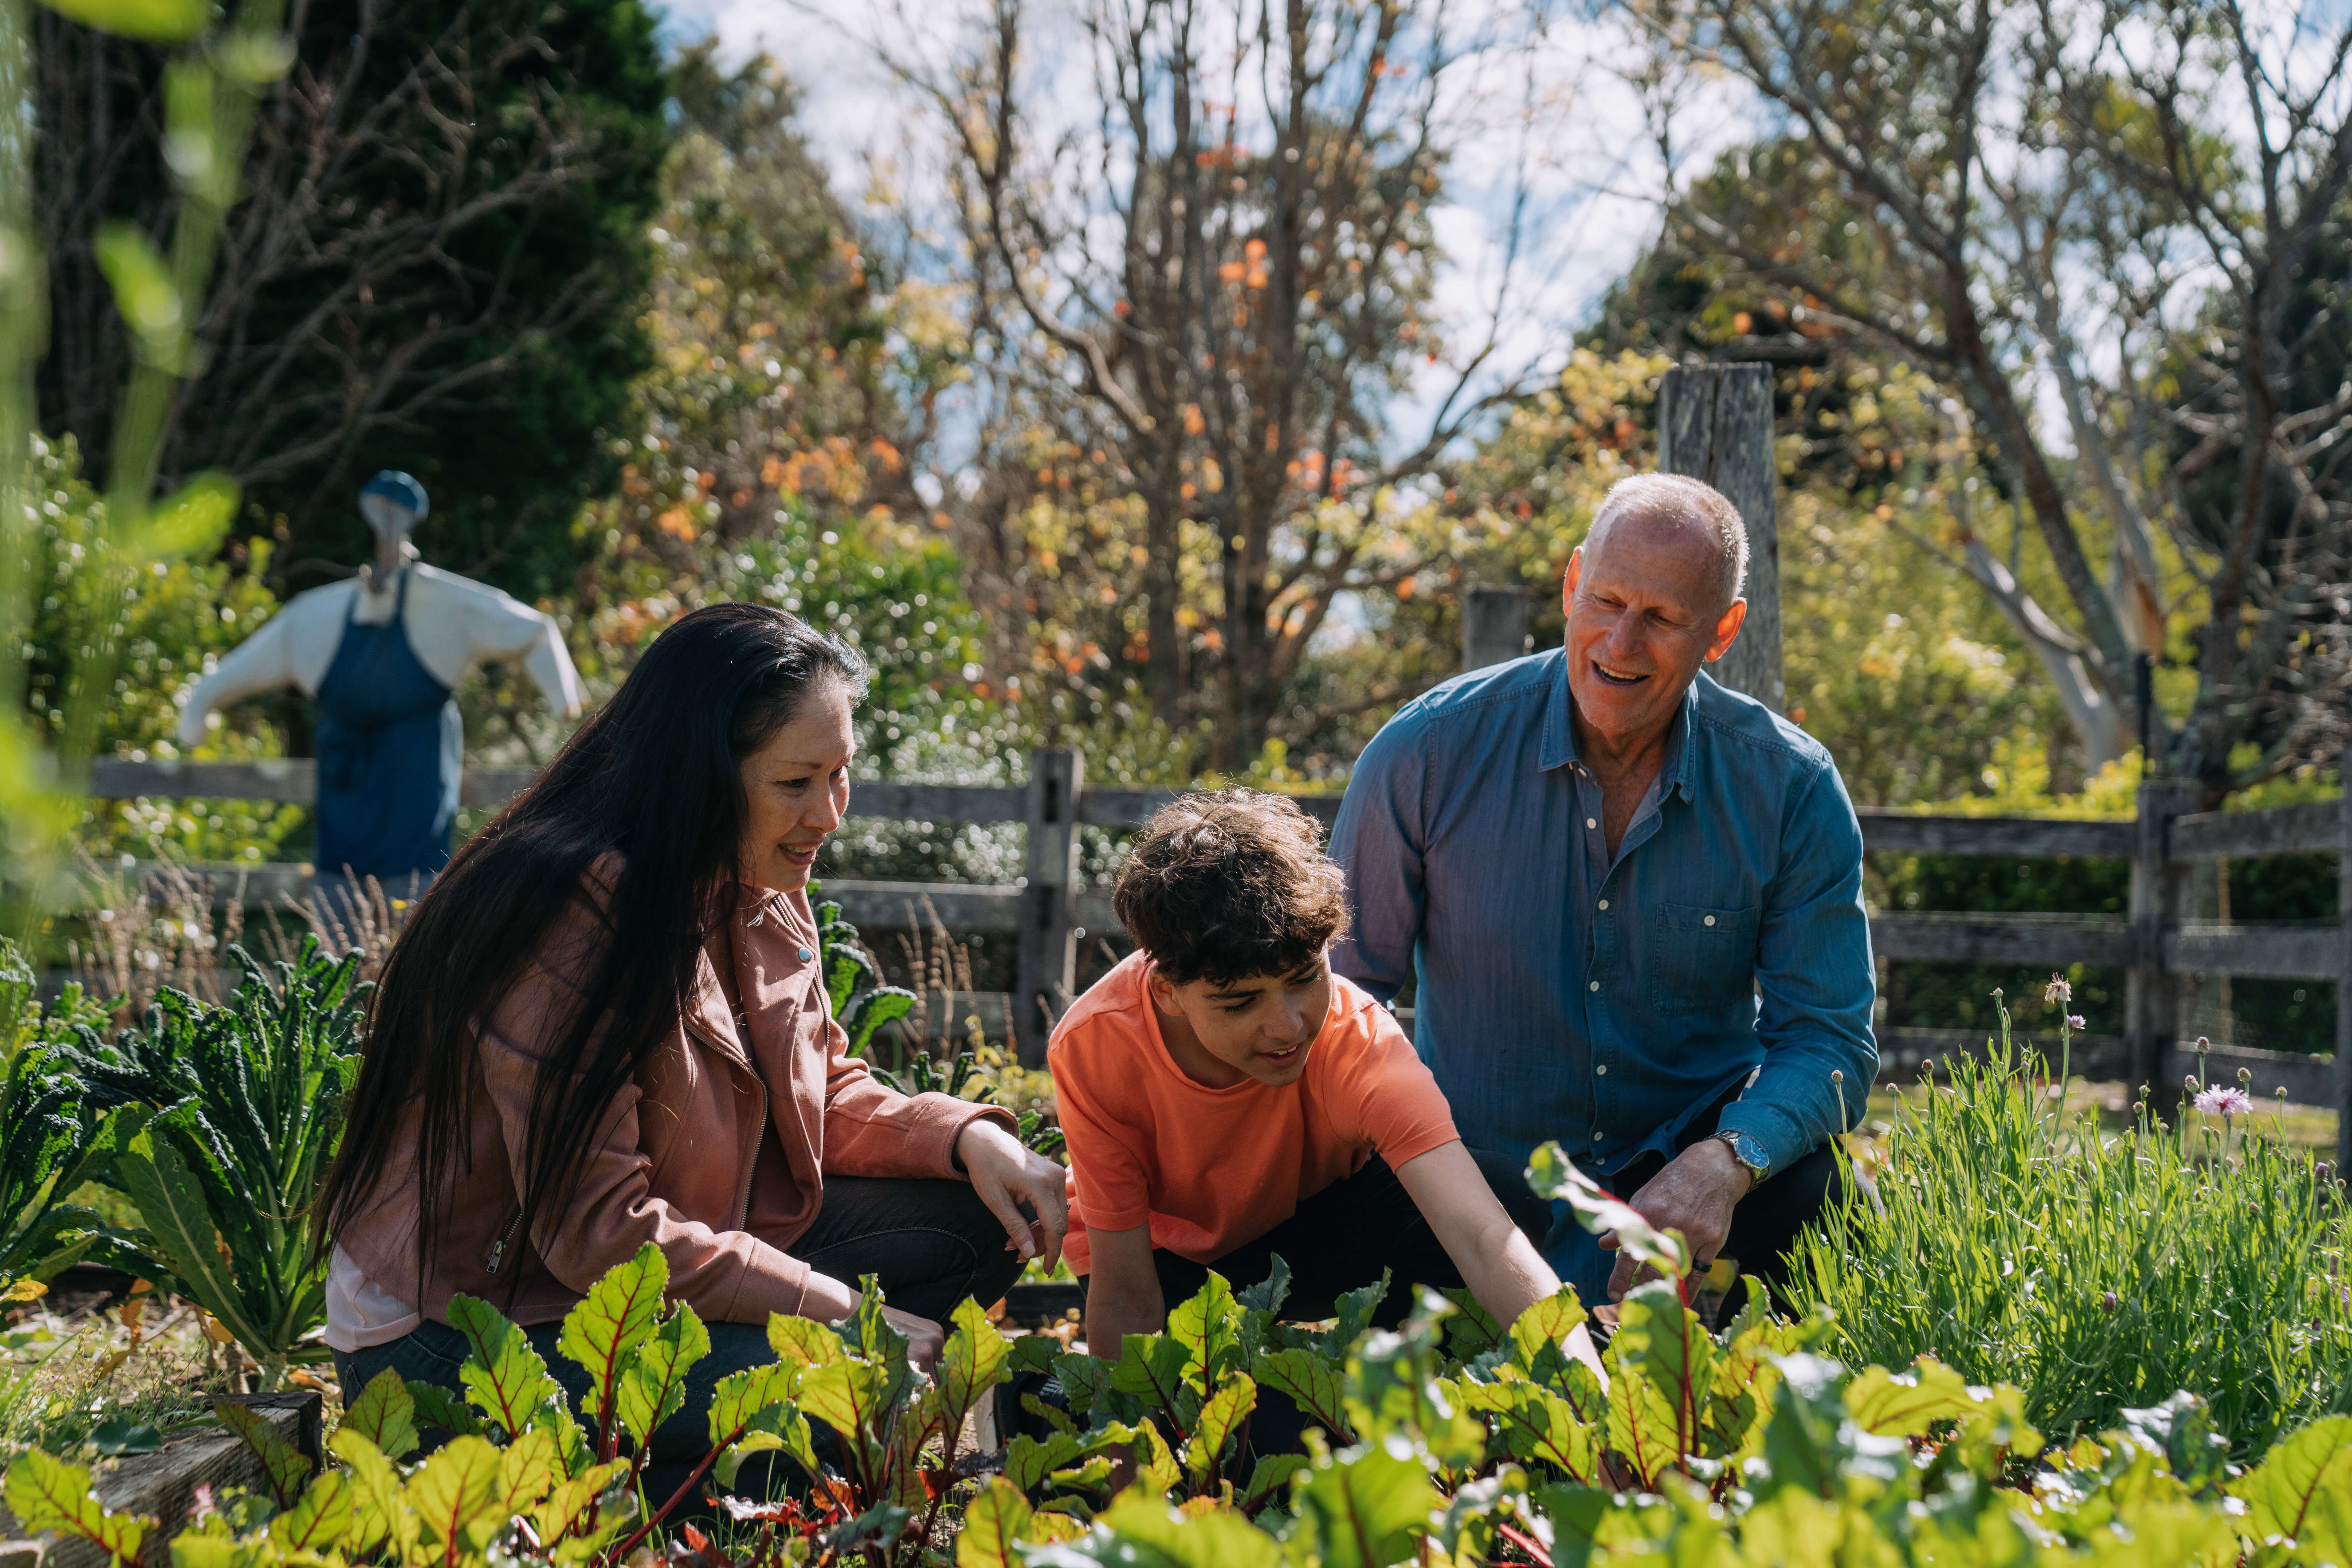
[
  {"x": 1695, "y": 1194},
  {"x": 1007, "y": 1174}
]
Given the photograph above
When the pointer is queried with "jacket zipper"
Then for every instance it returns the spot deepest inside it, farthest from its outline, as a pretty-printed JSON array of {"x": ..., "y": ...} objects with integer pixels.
[{"x": 498, "y": 1250}]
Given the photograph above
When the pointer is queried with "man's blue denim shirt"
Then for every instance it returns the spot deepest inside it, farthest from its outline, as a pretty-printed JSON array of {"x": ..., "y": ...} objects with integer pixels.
[{"x": 1559, "y": 996}]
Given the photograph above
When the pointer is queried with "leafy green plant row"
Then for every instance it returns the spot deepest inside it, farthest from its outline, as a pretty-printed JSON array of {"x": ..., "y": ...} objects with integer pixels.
[
  {"x": 1447, "y": 1440},
  {"x": 216, "y": 1124},
  {"x": 2096, "y": 1272}
]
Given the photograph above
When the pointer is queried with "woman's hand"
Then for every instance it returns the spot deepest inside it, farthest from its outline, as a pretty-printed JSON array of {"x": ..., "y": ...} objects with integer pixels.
[
  {"x": 1005, "y": 1174},
  {"x": 924, "y": 1337},
  {"x": 829, "y": 1301}
]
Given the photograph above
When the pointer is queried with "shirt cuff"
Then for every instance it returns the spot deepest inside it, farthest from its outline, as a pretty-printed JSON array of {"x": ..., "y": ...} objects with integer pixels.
[{"x": 1769, "y": 1128}]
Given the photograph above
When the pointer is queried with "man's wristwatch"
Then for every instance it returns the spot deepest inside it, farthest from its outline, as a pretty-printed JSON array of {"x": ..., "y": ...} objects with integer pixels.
[{"x": 1748, "y": 1152}]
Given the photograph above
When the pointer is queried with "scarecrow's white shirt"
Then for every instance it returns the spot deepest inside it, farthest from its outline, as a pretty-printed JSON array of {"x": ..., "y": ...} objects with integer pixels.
[{"x": 452, "y": 624}]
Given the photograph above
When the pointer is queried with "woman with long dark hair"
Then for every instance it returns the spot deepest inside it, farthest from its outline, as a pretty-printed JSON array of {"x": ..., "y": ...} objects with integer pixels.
[{"x": 604, "y": 1025}]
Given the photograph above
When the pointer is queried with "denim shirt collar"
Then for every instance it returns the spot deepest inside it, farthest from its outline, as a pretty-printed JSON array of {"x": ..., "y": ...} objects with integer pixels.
[{"x": 1682, "y": 764}]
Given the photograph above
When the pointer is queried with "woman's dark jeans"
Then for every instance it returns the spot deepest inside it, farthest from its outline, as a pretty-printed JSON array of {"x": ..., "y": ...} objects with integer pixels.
[{"x": 932, "y": 1243}]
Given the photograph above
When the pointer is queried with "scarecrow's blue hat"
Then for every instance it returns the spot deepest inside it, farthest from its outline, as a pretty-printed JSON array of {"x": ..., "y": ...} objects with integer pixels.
[{"x": 401, "y": 489}]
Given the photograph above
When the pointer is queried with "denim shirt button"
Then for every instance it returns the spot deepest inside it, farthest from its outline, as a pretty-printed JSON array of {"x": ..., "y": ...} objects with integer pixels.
[{"x": 1602, "y": 1070}]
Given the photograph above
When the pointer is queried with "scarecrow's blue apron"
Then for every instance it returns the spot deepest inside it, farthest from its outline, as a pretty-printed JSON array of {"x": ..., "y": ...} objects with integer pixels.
[{"x": 389, "y": 747}]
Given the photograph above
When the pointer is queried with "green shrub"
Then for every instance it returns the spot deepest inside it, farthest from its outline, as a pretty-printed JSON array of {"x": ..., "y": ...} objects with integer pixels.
[{"x": 2095, "y": 1271}]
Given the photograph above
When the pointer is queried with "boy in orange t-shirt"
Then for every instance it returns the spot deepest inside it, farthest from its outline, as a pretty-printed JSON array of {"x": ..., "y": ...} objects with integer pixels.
[{"x": 1227, "y": 1098}]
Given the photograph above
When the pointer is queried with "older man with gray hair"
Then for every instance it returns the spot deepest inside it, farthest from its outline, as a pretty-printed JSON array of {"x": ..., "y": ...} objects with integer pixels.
[{"x": 1631, "y": 903}]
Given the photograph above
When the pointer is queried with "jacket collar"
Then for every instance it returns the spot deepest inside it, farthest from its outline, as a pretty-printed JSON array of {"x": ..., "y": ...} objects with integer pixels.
[
  {"x": 709, "y": 1011},
  {"x": 1684, "y": 736}
]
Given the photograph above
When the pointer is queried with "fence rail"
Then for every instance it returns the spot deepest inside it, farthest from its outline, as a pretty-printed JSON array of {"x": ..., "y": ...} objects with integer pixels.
[{"x": 1050, "y": 910}]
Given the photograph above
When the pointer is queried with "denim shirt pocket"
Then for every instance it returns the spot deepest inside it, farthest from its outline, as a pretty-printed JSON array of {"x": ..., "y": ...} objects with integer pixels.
[{"x": 1702, "y": 960}]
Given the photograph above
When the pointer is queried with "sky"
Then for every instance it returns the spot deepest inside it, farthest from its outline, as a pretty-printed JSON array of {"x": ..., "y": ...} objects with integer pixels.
[{"x": 1591, "y": 180}]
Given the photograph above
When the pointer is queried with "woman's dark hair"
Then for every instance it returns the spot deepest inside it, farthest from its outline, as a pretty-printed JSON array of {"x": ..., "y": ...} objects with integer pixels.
[
  {"x": 1228, "y": 885},
  {"x": 655, "y": 774}
]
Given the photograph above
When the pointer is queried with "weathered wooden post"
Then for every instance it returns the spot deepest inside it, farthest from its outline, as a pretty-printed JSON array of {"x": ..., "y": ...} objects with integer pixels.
[
  {"x": 1715, "y": 423},
  {"x": 1493, "y": 625},
  {"x": 2152, "y": 994},
  {"x": 1045, "y": 962},
  {"x": 2344, "y": 966}
]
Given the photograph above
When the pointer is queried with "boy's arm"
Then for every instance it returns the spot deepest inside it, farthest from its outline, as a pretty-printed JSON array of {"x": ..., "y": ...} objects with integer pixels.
[
  {"x": 1498, "y": 1261},
  {"x": 1123, "y": 1290}
]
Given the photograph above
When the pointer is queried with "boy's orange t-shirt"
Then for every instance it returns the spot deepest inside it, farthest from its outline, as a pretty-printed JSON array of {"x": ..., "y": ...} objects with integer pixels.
[{"x": 1212, "y": 1168}]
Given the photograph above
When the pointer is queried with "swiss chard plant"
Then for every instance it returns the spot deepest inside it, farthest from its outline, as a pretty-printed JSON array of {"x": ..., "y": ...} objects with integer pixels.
[
  {"x": 1450, "y": 1439},
  {"x": 225, "y": 1122}
]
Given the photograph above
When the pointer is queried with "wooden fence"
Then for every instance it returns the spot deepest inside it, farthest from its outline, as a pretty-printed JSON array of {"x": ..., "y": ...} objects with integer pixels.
[{"x": 1050, "y": 910}]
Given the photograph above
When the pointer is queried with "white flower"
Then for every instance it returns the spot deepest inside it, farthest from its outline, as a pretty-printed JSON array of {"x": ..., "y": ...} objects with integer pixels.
[
  {"x": 2057, "y": 991},
  {"x": 2226, "y": 1102}
]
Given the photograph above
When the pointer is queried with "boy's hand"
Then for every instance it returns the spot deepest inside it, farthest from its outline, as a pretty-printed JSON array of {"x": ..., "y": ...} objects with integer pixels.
[{"x": 1007, "y": 1174}]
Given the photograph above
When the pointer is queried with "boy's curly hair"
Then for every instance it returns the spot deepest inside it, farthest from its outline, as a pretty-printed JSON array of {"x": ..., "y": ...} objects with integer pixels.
[{"x": 1228, "y": 884}]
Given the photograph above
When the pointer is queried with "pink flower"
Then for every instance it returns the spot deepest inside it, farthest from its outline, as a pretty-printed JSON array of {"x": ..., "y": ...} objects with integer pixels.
[
  {"x": 2075, "y": 1022},
  {"x": 2226, "y": 1102}
]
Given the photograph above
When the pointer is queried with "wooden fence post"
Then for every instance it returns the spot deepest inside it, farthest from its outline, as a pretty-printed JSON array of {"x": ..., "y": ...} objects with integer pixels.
[
  {"x": 2344, "y": 975},
  {"x": 1044, "y": 965},
  {"x": 1493, "y": 625},
  {"x": 2152, "y": 995},
  {"x": 1715, "y": 423}
]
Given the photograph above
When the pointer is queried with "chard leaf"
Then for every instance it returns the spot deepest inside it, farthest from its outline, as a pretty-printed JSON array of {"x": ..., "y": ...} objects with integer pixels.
[
  {"x": 529, "y": 1468},
  {"x": 1027, "y": 1462},
  {"x": 384, "y": 1414},
  {"x": 1660, "y": 1347},
  {"x": 381, "y": 1510},
  {"x": 2300, "y": 1492},
  {"x": 454, "y": 1493},
  {"x": 46, "y": 1493},
  {"x": 437, "y": 1407},
  {"x": 1193, "y": 1538},
  {"x": 321, "y": 1519},
  {"x": 504, "y": 1377},
  {"x": 1312, "y": 1382},
  {"x": 1222, "y": 1416},
  {"x": 1151, "y": 1367},
  {"x": 1472, "y": 1331},
  {"x": 803, "y": 1341},
  {"x": 1906, "y": 1405},
  {"x": 1268, "y": 1294},
  {"x": 1208, "y": 1328},
  {"x": 1544, "y": 1337},
  {"x": 609, "y": 1322},
  {"x": 652, "y": 1385},
  {"x": 972, "y": 1363},
  {"x": 285, "y": 1465},
  {"x": 992, "y": 1522},
  {"x": 1272, "y": 1475},
  {"x": 1367, "y": 1510},
  {"x": 1534, "y": 1424},
  {"x": 739, "y": 1399}
]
